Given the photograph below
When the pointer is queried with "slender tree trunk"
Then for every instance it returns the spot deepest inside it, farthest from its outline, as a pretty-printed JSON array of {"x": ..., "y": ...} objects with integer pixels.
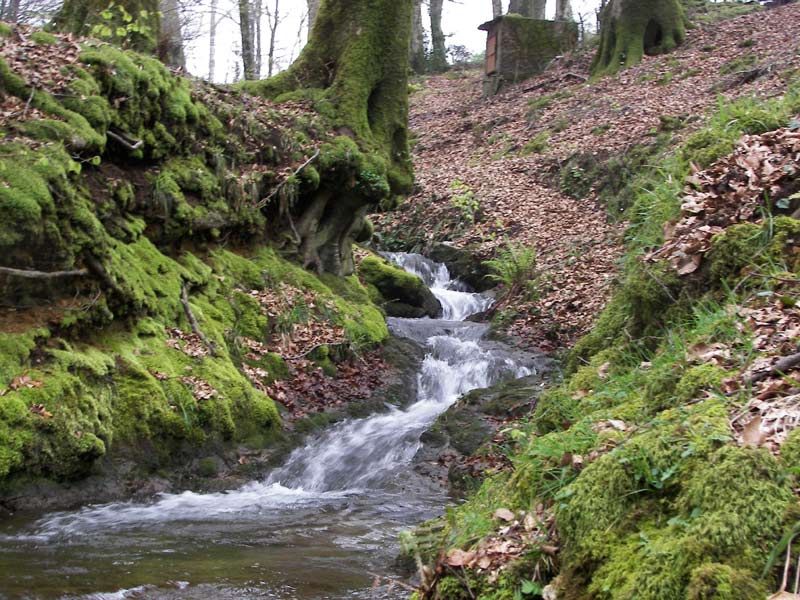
[
  {"x": 497, "y": 8},
  {"x": 274, "y": 20},
  {"x": 259, "y": 13},
  {"x": 563, "y": 10},
  {"x": 212, "y": 41},
  {"x": 247, "y": 30},
  {"x": 418, "y": 60},
  {"x": 438, "y": 49},
  {"x": 313, "y": 11},
  {"x": 170, "y": 45}
]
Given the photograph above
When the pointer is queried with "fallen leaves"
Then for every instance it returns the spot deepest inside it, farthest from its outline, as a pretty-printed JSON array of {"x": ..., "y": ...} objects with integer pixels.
[
  {"x": 761, "y": 174},
  {"x": 40, "y": 411},
  {"x": 515, "y": 535}
]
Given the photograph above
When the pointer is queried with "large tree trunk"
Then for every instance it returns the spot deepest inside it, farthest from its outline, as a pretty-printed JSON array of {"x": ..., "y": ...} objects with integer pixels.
[
  {"x": 534, "y": 9},
  {"x": 170, "y": 44},
  {"x": 354, "y": 69},
  {"x": 497, "y": 8},
  {"x": 80, "y": 17},
  {"x": 563, "y": 10},
  {"x": 419, "y": 63},
  {"x": 313, "y": 11},
  {"x": 438, "y": 49},
  {"x": 632, "y": 28}
]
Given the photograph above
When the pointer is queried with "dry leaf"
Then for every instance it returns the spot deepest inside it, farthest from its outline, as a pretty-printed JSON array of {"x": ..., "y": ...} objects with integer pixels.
[{"x": 503, "y": 514}]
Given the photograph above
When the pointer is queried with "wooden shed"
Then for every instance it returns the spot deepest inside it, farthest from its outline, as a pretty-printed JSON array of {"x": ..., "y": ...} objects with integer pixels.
[{"x": 518, "y": 47}]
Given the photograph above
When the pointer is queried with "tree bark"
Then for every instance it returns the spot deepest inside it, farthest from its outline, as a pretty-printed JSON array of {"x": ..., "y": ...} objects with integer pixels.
[
  {"x": 79, "y": 17},
  {"x": 313, "y": 11},
  {"x": 247, "y": 34},
  {"x": 438, "y": 49},
  {"x": 419, "y": 63},
  {"x": 497, "y": 8},
  {"x": 563, "y": 10},
  {"x": 212, "y": 41},
  {"x": 533, "y": 9},
  {"x": 170, "y": 44},
  {"x": 629, "y": 29},
  {"x": 355, "y": 65},
  {"x": 274, "y": 20}
]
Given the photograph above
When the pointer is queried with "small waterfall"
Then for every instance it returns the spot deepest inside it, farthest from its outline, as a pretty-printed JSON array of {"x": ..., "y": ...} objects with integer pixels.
[
  {"x": 457, "y": 302},
  {"x": 346, "y": 493}
]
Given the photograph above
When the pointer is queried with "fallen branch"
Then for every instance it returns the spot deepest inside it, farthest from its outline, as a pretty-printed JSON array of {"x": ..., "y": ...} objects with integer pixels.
[
  {"x": 129, "y": 143},
  {"x": 262, "y": 203},
  {"x": 193, "y": 322},
  {"x": 29, "y": 274},
  {"x": 779, "y": 367},
  {"x": 28, "y": 103}
]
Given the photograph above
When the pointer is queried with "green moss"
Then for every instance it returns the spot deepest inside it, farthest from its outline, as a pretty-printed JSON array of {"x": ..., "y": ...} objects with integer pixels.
[
  {"x": 635, "y": 28},
  {"x": 402, "y": 293},
  {"x": 43, "y": 38},
  {"x": 6, "y": 30},
  {"x": 714, "y": 581}
]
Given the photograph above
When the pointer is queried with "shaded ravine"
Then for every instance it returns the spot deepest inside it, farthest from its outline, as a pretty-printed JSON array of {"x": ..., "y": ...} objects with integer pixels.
[{"x": 320, "y": 526}]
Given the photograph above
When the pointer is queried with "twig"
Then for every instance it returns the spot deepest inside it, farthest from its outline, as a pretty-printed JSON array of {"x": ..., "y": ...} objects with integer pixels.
[
  {"x": 402, "y": 584},
  {"x": 28, "y": 103},
  {"x": 28, "y": 274},
  {"x": 129, "y": 143},
  {"x": 781, "y": 366},
  {"x": 193, "y": 322},
  {"x": 310, "y": 350},
  {"x": 265, "y": 201}
]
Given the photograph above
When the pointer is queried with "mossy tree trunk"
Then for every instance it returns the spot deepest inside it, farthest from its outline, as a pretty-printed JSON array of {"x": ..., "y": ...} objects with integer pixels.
[
  {"x": 354, "y": 70},
  {"x": 497, "y": 8},
  {"x": 247, "y": 30},
  {"x": 142, "y": 25},
  {"x": 632, "y": 28},
  {"x": 533, "y": 9},
  {"x": 438, "y": 48},
  {"x": 170, "y": 44}
]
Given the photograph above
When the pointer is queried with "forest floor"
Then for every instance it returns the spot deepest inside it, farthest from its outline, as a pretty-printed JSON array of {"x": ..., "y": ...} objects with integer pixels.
[{"x": 508, "y": 169}]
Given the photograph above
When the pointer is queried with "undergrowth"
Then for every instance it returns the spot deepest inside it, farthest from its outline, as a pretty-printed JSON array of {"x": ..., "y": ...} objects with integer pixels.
[{"x": 633, "y": 454}]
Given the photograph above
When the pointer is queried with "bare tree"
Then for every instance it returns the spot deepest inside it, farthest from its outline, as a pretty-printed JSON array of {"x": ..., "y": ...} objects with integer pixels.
[
  {"x": 212, "y": 41},
  {"x": 273, "y": 20},
  {"x": 438, "y": 49},
  {"x": 418, "y": 61},
  {"x": 247, "y": 30}
]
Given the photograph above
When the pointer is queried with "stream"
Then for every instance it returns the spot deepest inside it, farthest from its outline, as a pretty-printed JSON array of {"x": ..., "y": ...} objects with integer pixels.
[{"x": 319, "y": 527}]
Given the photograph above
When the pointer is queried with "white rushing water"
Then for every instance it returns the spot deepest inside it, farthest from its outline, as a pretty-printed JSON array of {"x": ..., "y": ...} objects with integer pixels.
[{"x": 347, "y": 470}]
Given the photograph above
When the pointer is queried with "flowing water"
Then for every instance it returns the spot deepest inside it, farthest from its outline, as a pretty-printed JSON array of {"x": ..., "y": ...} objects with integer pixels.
[{"x": 319, "y": 527}]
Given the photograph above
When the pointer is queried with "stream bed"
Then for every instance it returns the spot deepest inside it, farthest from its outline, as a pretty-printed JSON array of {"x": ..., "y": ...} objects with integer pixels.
[{"x": 324, "y": 525}]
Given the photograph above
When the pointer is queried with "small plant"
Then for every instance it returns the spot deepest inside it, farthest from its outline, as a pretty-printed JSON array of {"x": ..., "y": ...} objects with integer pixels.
[
  {"x": 515, "y": 269},
  {"x": 117, "y": 25},
  {"x": 464, "y": 200},
  {"x": 537, "y": 144}
]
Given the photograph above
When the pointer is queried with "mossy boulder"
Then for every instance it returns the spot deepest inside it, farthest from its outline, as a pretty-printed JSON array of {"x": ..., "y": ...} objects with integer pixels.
[{"x": 400, "y": 293}]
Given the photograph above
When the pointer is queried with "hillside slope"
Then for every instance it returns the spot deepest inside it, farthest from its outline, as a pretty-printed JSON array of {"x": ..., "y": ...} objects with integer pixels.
[
  {"x": 665, "y": 465},
  {"x": 548, "y": 161}
]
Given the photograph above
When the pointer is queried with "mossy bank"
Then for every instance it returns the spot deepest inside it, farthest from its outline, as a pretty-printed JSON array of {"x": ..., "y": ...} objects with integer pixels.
[
  {"x": 639, "y": 476},
  {"x": 147, "y": 228}
]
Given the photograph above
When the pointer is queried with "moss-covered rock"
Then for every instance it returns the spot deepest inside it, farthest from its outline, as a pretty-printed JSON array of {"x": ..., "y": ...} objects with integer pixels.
[{"x": 400, "y": 293}]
